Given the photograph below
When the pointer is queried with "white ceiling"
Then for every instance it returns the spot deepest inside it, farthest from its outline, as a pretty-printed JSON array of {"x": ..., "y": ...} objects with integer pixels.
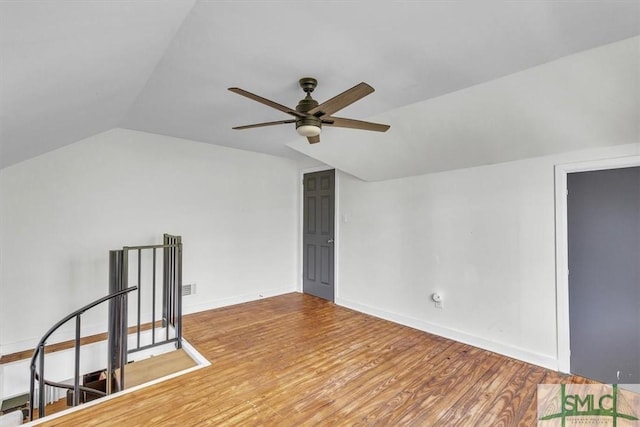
[{"x": 71, "y": 69}]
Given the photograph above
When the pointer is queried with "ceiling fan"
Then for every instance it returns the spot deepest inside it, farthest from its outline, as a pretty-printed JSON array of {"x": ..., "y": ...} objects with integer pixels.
[{"x": 309, "y": 116}]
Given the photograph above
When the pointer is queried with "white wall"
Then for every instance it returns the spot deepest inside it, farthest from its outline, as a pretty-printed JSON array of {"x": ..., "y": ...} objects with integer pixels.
[
  {"x": 61, "y": 213},
  {"x": 481, "y": 237}
]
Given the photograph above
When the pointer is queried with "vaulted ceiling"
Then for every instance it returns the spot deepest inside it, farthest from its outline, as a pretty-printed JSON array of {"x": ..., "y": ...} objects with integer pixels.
[{"x": 460, "y": 83}]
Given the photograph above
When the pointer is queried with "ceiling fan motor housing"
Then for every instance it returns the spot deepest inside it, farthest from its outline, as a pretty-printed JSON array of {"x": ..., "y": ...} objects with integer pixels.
[
  {"x": 306, "y": 104},
  {"x": 303, "y": 106}
]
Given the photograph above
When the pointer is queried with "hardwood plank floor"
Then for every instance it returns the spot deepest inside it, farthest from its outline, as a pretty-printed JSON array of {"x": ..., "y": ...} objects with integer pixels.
[
  {"x": 296, "y": 360},
  {"x": 155, "y": 367},
  {"x": 140, "y": 372}
]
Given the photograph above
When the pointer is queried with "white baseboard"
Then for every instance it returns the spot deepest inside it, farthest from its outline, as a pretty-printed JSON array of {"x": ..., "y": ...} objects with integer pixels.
[
  {"x": 188, "y": 308},
  {"x": 504, "y": 349}
]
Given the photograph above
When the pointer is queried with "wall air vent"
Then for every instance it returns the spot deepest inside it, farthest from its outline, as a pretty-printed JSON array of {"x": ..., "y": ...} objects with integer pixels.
[{"x": 188, "y": 289}]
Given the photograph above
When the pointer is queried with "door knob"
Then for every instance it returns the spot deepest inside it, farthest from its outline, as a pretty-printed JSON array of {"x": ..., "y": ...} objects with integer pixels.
[{"x": 330, "y": 241}]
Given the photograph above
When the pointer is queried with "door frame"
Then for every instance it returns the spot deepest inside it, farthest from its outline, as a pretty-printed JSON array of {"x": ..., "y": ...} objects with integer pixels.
[
  {"x": 562, "y": 246},
  {"x": 336, "y": 226}
]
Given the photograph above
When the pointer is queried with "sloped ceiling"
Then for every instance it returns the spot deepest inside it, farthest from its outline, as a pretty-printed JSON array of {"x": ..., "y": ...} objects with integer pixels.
[
  {"x": 589, "y": 99},
  {"x": 70, "y": 69}
]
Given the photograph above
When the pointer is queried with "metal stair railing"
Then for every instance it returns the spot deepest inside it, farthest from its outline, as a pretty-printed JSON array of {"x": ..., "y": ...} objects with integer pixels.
[
  {"x": 39, "y": 353},
  {"x": 170, "y": 288}
]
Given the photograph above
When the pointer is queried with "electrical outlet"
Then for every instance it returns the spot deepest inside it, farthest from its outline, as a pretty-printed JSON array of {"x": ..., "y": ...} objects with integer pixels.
[{"x": 437, "y": 299}]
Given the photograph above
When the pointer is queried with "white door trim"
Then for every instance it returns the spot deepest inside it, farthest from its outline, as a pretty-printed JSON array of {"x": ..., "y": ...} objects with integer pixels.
[
  {"x": 336, "y": 224},
  {"x": 562, "y": 249}
]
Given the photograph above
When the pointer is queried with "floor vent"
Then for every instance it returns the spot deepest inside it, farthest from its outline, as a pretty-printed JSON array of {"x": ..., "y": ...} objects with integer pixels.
[{"x": 188, "y": 289}]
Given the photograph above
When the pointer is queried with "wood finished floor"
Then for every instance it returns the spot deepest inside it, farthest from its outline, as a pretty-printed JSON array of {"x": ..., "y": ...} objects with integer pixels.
[
  {"x": 296, "y": 360},
  {"x": 155, "y": 367}
]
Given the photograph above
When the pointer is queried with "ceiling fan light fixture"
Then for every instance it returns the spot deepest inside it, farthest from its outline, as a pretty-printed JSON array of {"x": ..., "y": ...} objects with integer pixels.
[
  {"x": 309, "y": 126},
  {"x": 309, "y": 130}
]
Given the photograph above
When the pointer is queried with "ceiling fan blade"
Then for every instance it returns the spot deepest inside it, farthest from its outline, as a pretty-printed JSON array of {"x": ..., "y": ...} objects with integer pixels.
[
  {"x": 259, "y": 125},
  {"x": 313, "y": 139},
  {"x": 266, "y": 101},
  {"x": 354, "y": 124},
  {"x": 341, "y": 101}
]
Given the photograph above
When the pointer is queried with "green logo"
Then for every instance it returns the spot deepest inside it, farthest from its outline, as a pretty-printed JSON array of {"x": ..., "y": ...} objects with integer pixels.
[{"x": 580, "y": 404}]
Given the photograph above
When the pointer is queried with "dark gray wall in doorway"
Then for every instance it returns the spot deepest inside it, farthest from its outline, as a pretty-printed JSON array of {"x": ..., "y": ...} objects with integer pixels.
[{"x": 604, "y": 274}]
